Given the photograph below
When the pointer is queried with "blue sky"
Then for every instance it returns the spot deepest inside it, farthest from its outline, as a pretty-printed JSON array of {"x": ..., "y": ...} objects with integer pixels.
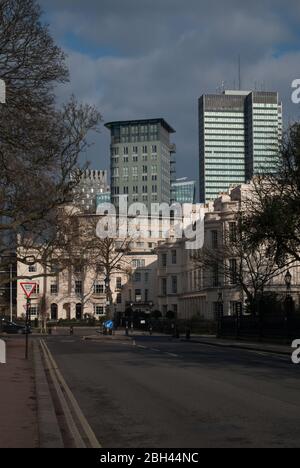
[{"x": 154, "y": 58}]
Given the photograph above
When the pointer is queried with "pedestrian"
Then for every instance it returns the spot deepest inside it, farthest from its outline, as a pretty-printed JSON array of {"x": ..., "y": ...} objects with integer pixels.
[{"x": 150, "y": 330}]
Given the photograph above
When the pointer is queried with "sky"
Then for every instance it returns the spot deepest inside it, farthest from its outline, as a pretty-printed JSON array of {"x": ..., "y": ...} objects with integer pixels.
[{"x": 136, "y": 59}]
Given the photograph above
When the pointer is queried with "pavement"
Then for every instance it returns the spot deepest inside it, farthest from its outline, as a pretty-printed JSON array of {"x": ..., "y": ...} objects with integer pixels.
[
  {"x": 18, "y": 422},
  {"x": 246, "y": 345},
  {"x": 148, "y": 391},
  {"x": 158, "y": 392}
]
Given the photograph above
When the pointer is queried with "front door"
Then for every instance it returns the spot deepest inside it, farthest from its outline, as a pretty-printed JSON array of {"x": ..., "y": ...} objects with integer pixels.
[
  {"x": 54, "y": 312},
  {"x": 78, "y": 311}
]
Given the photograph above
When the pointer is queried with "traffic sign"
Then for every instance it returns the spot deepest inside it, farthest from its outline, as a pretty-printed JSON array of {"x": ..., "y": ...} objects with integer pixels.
[
  {"x": 28, "y": 289},
  {"x": 109, "y": 324}
]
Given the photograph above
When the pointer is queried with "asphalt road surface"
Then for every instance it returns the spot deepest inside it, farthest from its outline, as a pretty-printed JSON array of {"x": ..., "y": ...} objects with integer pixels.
[{"x": 164, "y": 394}]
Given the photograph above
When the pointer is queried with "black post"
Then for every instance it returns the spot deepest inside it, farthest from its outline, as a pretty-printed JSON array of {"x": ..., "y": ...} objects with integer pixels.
[
  {"x": 27, "y": 328},
  {"x": 220, "y": 318},
  {"x": 237, "y": 323},
  {"x": 289, "y": 308},
  {"x": 288, "y": 304},
  {"x": 261, "y": 306}
]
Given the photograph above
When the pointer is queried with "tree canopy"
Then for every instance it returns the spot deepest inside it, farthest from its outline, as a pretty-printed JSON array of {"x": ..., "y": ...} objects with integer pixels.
[
  {"x": 273, "y": 215},
  {"x": 40, "y": 142}
]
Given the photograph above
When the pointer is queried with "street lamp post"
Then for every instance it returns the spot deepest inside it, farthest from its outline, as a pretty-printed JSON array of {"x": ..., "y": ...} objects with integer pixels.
[
  {"x": 131, "y": 318},
  {"x": 288, "y": 302},
  {"x": 11, "y": 291},
  {"x": 220, "y": 310},
  {"x": 108, "y": 301},
  {"x": 220, "y": 301},
  {"x": 107, "y": 290},
  {"x": 27, "y": 324},
  {"x": 288, "y": 283},
  {"x": 3, "y": 101}
]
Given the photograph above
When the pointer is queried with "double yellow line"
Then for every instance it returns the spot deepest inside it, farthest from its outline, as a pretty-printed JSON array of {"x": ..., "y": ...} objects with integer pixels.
[{"x": 79, "y": 429}]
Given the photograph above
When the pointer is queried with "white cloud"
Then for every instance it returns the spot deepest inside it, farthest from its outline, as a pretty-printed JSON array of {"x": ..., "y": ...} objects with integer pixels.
[{"x": 169, "y": 53}]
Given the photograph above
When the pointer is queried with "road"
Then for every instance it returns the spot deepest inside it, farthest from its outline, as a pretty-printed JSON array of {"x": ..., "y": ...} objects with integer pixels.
[{"x": 164, "y": 394}]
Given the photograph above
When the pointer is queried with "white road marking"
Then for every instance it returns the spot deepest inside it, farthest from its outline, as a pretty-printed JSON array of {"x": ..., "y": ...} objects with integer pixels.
[
  {"x": 68, "y": 400},
  {"x": 159, "y": 351},
  {"x": 173, "y": 355}
]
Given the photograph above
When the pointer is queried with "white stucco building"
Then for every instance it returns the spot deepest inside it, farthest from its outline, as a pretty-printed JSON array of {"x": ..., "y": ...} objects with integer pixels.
[
  {"x": 191, "y": 291},
  {"x": 72, "y": 294}
]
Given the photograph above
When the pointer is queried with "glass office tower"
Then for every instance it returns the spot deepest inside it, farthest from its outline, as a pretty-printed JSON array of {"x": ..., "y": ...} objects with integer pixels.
[
  {"x": 104, "y": 197},
  {"x": 184, "y": 191},
  {"x": 239, "y": 136}
]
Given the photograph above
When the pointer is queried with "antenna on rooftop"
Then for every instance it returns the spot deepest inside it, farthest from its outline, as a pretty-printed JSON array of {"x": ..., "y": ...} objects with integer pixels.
[{"x": 240, "y": 74}]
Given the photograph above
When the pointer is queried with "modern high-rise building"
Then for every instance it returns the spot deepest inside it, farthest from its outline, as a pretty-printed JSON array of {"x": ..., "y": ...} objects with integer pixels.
[
  {"x": 184, "y": 191},
  {"x": 104, "y": 197},
  {"x": 92, "y": 184},
  {"x": 142, "y": 161},
  {"x": 239, "y": 136}
]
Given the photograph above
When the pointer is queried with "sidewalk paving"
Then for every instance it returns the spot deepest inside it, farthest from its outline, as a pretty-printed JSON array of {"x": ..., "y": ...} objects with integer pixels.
[
  {"x": 18, "y": 421},
  {"x": 252, "y": 346}
]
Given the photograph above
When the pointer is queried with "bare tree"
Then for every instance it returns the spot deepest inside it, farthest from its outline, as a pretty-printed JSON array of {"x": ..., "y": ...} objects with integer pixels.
[
  {"x": 239, "y": 264},
  {"x": 111, "y": 258},
  {"x": 39, "y": 143},
  {"x": 105, "y": 256}
]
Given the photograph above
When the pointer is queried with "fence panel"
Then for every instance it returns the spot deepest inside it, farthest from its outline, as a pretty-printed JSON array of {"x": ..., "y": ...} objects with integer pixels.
[{"x": 276, "y": 326}]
